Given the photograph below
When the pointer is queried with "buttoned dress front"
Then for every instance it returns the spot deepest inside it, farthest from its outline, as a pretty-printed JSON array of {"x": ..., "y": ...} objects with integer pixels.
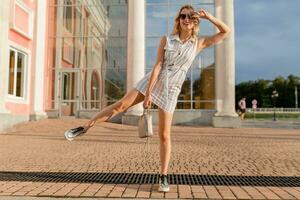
[{"x": 178, "y": 58}]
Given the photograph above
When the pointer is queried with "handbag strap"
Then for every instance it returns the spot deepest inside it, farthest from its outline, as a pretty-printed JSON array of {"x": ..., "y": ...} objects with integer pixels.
[
  {"x": 146, "y": 110},
  {"x": 147, "y": 146}
]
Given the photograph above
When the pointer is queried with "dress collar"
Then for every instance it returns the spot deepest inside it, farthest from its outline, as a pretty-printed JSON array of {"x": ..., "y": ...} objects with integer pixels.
[{"x": 176, "y": 37}]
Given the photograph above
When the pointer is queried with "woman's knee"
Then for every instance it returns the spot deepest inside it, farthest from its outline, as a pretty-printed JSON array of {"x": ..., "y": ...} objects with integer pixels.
[
  {"x": 164, "y": 137},
  {"x": 130, "y": 99},
  {"x": 165, "y": 120},
  {"x": 120, "y": 106}
]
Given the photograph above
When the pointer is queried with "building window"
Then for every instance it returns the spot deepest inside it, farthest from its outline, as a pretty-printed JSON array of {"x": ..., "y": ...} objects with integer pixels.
[
  {"x": 67, "y": 21},
  {"x": 79, "y": 26},
  {"x": 17, "y": 68},
  {"x": 22, "y": 19},
  {"x": 66, "y": 84}
]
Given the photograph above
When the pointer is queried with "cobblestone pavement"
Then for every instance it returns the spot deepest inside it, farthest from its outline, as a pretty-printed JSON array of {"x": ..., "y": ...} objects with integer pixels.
[{"x": 40, "y": 147}]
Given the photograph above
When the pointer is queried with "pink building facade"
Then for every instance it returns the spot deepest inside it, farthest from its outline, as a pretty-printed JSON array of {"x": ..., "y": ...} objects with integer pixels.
[
  {"x": 22, "y": 60},
  {"x": 48, "y": 65},
  {"x": 76, "y": 57}
]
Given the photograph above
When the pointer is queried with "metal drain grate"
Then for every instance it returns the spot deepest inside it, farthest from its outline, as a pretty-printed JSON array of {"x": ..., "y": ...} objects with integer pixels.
[{"x": 138, "y": 178}]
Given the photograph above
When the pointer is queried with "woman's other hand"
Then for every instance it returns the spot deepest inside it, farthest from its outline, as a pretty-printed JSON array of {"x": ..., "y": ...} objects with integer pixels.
[{"x": 147, "y": 101}]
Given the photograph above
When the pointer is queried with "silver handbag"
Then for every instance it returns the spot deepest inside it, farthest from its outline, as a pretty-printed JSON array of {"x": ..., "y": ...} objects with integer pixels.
[
  {"x": 145, "y": 127},
  {"x": 145, "y": 124}
]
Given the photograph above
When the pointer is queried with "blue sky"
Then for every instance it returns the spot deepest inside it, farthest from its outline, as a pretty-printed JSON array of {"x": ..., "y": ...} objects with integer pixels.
[{"x": 267, "y": 39}]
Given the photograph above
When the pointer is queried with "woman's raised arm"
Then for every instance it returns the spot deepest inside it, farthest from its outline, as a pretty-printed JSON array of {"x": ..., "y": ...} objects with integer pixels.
[{"x": 223, "y": 28}]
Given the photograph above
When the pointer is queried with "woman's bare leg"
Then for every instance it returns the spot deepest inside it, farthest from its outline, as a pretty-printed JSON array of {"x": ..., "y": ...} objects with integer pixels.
[
  {"x": 164, "y": 132},
  {"x": 131, "y": 98}
]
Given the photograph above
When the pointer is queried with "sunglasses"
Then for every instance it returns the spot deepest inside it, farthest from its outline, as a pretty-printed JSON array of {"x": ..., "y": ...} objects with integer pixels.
[
  {"x": 189, "y": 16},
  {"x": 183, "y": 16}
]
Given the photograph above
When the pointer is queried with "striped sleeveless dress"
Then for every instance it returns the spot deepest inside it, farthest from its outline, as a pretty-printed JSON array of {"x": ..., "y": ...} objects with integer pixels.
[{"x": 178, "y": 58}]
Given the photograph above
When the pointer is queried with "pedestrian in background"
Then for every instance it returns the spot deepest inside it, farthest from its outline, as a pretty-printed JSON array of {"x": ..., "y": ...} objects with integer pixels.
[{"x": 242, "y": 106}]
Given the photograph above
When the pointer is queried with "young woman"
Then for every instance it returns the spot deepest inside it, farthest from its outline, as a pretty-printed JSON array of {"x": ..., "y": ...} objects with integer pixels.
[{"x": 163, "y": 84}]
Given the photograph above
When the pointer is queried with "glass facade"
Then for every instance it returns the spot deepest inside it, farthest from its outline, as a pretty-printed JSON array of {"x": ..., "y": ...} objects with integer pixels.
[
  {"x": 88, "y": 53},
  {"x": 116, "y": 50},
  {"x": 89, "y": 38}
]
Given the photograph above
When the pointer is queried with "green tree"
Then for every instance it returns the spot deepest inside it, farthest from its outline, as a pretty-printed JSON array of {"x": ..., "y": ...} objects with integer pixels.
[{"x": 261, "y": 90}]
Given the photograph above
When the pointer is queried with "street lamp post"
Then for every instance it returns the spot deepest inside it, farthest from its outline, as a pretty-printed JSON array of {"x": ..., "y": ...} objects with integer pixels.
[
  {"x": 274, "y": 96},
  {"x": 296, "y": 96}
]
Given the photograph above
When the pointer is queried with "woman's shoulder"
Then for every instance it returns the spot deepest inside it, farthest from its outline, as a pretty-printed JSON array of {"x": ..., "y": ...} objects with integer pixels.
[
  {"x": 163, "y": 41},
  {"x": 163, "y": 38},
  {"x": 168, "y": 38}
]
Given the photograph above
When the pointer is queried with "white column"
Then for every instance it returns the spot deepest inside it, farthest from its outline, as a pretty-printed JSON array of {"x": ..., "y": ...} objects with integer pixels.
[
  {"x": 220, "y": 60},
  {"x": 135, "y": 48},
  {"x": 4, "y": 53},
  {"x": 225, "y": 65},
  {"x": 40, "y": 60}
]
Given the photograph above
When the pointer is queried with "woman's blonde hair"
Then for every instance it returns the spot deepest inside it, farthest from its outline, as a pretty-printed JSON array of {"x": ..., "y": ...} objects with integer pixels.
[{"x": 177, "y": 28}]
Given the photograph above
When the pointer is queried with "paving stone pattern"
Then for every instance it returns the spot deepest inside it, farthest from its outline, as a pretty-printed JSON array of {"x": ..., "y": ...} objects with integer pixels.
[{"x": 110, "y": 148}]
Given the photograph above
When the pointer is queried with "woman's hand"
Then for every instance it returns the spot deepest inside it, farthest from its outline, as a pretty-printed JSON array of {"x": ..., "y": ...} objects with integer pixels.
[
  {"x": 147, "y": 101},
  {"x": 201, "y": 14}
]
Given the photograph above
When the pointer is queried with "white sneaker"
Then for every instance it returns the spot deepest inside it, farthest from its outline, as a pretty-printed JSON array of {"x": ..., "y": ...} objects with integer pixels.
[
  {"x": 163, "y": 184},
  {"x": 72, "y": 133}
]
